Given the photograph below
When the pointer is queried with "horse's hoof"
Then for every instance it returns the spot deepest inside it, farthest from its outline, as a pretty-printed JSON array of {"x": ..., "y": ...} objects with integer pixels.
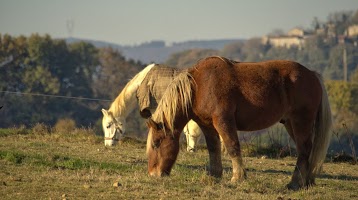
[
  {"x": 191, "y": 150},
  {"x": 236, "y": 180},
  {"x": 239, "y": 178},
  {"x": 293, "y": 186}
]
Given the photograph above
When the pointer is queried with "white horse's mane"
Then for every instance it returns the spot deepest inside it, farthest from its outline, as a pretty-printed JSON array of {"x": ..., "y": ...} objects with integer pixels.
[{"x": 125, "y": 102}]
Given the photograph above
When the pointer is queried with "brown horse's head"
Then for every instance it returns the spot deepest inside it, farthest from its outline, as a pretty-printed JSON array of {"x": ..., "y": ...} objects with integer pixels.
[{"x": 162, "y": 149}]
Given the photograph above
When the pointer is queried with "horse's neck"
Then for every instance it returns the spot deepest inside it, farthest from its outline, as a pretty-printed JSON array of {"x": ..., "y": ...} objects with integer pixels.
[
  {"x": 182, "y": 122},
  {"x": 126, "y": 101}
]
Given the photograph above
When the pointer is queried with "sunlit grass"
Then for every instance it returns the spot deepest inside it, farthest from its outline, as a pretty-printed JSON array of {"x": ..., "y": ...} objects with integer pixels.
[{"x": 77, "y": 165}]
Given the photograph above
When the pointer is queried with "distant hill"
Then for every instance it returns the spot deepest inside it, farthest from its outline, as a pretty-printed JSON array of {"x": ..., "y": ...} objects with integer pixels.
[{"x": 158, "y": 51}]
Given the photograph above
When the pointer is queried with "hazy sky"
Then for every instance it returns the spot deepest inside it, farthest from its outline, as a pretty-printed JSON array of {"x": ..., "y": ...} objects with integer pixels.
[{"x": 136, "y": 21}]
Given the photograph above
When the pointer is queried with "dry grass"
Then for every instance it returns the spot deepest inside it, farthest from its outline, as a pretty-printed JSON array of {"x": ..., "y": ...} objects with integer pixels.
[{"x": 79, "y": 166}]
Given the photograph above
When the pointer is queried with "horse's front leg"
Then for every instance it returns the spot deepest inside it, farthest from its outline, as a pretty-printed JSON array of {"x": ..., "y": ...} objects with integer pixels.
[
  {"x": 214, "y": 148},
  {"x": 238, "y": 169},
  {"x": 228, "y": 133}
]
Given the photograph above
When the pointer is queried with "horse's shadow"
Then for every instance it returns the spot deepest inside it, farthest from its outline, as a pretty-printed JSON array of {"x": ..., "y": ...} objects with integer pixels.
[
  {"x": 323, "y": 175},
  {"x": 272, "y": 171}
]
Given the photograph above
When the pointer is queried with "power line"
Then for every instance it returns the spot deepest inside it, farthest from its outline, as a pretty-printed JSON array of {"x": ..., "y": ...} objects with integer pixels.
[{"x": 54, "y": 96}]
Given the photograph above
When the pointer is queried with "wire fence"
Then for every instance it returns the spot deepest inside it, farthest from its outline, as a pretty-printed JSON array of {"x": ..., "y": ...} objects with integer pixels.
[{"x": 54, "y": 96}]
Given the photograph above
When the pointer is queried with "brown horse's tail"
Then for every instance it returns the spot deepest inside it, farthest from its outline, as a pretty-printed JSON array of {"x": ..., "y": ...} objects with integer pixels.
[{"x": 322, "y": 133}]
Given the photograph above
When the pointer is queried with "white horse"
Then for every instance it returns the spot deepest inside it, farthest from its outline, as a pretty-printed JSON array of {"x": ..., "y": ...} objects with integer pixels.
[{"x": 114, "y": 119}]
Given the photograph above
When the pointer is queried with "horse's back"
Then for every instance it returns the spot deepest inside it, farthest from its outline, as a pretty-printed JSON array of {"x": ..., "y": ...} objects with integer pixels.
[{"x": 154, "y": 85}]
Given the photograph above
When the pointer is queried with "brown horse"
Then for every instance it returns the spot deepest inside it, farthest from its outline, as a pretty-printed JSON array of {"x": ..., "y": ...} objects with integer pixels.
[{"x": 224, "y": 96}]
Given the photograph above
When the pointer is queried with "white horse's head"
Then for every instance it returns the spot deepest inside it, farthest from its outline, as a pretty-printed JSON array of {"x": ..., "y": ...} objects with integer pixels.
[{"x": 113, "y": 128}]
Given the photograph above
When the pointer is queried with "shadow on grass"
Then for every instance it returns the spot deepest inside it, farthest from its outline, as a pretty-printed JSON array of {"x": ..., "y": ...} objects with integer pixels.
[
  {"x": 270, "y": 171},
  {"x": 322, "y": 176}
]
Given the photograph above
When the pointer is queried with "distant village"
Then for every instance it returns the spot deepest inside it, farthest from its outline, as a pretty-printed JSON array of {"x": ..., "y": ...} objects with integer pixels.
[{"x": 297, "y": 37}]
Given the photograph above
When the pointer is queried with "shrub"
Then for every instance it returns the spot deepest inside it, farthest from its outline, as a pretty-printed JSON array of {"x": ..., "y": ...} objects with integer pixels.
[
  {"x": 65, "y": 126},
  {"x": 40, "y": 129},
  {"x": 21, "y": 130}
]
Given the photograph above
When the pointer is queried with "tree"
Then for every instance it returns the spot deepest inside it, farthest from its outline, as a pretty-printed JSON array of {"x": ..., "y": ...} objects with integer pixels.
[
  {"x": 343, "y": 98},
  {"x": 282, "y": 53},
  {"x": 341, "y": 20},
  {"x": 113, "y": 73},
  {"x": 39, "y": 79},
  {"x": 316, "y": 24},
  {"x": 79, "y": 77},
  {"x": 354, "y": 19},
  {"x": 253, "y": 50},
  {"x": 188, "y": 58},
  {"x": 233, "y": 51},
  {"x": 354, "y": 76}
]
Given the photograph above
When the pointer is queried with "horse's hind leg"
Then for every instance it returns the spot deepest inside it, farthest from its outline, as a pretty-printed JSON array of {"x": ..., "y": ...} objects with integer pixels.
[
  {"x": 213, "y": 146},
  {"x": 289, "y": 129},
  {"x": 228, "y": 133},
  {"x": 302, "y": 131}
]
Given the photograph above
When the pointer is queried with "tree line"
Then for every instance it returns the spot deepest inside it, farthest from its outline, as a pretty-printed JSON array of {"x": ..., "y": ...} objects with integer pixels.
[{"x": 42, "y": 65}]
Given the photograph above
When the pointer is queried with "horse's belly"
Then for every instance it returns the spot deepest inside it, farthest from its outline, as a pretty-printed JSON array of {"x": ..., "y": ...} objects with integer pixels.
[{"x": 257, "y": 121}]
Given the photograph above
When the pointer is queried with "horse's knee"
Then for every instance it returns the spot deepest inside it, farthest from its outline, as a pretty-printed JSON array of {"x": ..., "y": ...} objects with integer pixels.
[{"x": 233, "y": 150}]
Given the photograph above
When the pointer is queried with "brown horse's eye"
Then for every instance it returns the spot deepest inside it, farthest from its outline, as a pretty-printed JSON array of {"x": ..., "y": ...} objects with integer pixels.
[
  {"x": 156, "y": 144},
  {"x": 160, "y": 126}
]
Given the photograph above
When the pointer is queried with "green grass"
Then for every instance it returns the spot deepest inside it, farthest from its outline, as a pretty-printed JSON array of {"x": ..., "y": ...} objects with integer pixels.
[
  {"x": 79, "y": 166},
  {"x": 56, "y": 161}
]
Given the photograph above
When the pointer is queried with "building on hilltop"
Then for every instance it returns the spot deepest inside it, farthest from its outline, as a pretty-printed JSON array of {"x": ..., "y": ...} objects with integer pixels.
[
  {"x": 350, "y": 36},
  {"x": 294, "y": 38},
  {"x": 352, "y": 31},
  {"x": 327, "y": 30},
  {"x": 299, "y": 32}
]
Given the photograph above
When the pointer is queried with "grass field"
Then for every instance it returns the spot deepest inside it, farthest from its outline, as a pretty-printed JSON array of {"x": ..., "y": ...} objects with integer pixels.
[{"x": 79, "y": 166}]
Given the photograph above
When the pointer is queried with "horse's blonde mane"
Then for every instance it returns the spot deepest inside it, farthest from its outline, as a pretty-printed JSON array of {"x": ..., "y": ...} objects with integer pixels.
[
  {"x": 125, "y": 101},
  {"x": 178, "y": 93}
]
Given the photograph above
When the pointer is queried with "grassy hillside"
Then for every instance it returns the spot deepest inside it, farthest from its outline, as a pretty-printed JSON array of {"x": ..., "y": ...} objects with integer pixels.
[{"x": 76, "y": 165}]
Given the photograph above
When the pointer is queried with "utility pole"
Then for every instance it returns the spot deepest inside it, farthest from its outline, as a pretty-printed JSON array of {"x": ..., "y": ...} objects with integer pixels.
[
  {"x": 345, "y": 70},
  {"x": 70, "y": 24}
]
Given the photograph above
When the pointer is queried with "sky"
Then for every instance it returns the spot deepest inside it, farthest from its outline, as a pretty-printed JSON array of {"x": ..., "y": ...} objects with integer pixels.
[{"x": 132, "y": 22}]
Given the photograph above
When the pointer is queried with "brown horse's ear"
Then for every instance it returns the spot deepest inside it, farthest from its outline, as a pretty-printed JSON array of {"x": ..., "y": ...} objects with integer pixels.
[{"x": 152, "y": 124}]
